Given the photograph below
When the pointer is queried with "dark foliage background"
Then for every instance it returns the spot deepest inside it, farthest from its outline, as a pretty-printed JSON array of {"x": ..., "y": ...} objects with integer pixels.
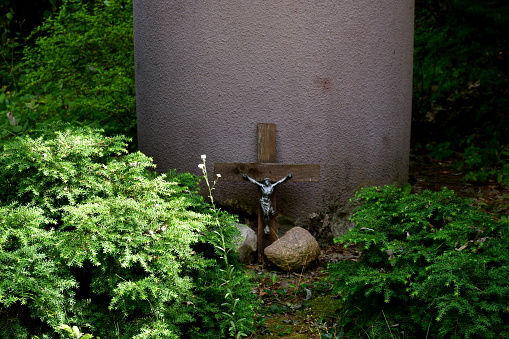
[
  {"x": 461, "y": 85},
  {"x": 77, "y": 66},
  {"x": 461, "y": 69}
]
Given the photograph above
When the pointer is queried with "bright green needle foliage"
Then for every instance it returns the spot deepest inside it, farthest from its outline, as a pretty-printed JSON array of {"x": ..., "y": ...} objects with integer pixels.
[
  {"x": 90, "y": 238},
  {"x": 432, "y": 266}
]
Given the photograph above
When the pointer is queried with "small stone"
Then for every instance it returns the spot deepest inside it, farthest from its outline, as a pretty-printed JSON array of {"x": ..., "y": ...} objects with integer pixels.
[
  {"x": 293, "y": 251},
  {"x": 246, "y": 244}
]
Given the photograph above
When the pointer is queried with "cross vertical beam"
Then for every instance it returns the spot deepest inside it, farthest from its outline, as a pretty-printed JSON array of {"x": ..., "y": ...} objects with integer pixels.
[
  {"x": 266, "y": 154},
  {"x": 266, "y": 143}
]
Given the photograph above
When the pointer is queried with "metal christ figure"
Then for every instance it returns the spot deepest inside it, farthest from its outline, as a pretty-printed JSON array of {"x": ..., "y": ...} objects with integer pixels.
[{"x": 267, "y": 188}]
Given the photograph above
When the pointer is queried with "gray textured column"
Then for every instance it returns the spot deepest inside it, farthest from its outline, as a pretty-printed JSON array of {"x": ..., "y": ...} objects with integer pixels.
[{"x": 335, "y": 76}]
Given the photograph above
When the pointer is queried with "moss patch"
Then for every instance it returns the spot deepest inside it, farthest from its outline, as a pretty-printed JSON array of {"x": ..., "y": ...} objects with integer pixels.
[{"x": 323, "y": 307}]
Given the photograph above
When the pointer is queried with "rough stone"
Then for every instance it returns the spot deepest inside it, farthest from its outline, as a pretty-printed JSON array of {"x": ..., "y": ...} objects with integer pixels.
[
  {"x": 246, "y": 244},
  {"x": 293, "y": 251}
]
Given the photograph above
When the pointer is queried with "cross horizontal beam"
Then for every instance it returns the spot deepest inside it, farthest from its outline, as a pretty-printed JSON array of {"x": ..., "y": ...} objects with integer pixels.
[{"x": 274, "y": 171}]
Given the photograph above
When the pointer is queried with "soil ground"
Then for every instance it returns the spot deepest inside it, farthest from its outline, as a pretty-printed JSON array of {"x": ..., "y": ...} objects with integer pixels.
[{"x": 302, "y": 305}]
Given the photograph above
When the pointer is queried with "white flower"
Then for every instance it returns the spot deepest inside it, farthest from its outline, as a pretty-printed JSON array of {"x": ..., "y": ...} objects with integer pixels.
[
  {"x": 204, "y": 156},
  {"x": 200, "y": 166},
  {"x": 218, "y": 175}
]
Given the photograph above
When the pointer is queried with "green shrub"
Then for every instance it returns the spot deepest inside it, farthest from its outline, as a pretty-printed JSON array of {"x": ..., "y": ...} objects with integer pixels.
[
  {"x": 79, "y": 69},
  {"x": 89, "y": 237},
  {"x": 431, "y": 266}
]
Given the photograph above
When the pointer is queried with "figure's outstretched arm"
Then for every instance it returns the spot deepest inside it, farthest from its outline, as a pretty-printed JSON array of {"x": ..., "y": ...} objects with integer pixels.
[
  {"x": 283, "y": 180},
  {"x": 245, "y": 176}
]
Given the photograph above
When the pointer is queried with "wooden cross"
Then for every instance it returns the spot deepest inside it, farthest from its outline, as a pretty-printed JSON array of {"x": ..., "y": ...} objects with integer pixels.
[{"x": 266, "y": 167}]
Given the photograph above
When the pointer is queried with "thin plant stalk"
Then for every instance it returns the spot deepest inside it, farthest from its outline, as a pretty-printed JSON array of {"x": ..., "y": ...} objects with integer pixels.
[{"x": 231, "y": 301}]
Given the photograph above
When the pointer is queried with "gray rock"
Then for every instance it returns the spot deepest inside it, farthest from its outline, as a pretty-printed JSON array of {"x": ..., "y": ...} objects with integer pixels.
[
  {"x": 293, "y": 251},
  {"x": 246, "y": 244}
]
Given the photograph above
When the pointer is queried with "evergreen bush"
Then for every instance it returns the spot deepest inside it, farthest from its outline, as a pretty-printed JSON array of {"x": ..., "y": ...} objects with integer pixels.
[
  {"x": 91, "y": 239},
  {"x": 432, "y": 266}
]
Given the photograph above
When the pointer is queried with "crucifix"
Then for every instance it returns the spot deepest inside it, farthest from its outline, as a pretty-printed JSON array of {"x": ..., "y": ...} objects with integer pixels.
[{"x": 262, "y": 173}]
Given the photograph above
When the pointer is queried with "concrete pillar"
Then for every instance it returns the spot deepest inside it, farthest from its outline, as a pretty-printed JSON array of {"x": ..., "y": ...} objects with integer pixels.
[{"x": 334, "y": 76}]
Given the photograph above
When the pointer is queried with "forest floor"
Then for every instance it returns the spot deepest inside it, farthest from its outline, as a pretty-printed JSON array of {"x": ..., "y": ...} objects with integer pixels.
[{"x": 302, "y": 304}]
